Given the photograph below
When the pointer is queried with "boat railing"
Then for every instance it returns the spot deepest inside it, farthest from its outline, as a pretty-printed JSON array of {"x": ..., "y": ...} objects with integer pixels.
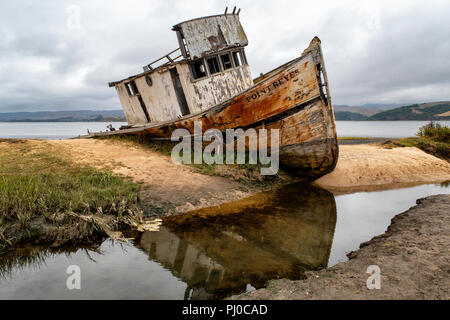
[{"x": 169, "y": 57}]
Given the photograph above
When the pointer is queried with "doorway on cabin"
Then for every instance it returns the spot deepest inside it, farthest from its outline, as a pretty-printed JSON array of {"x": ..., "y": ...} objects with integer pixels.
[{"x": 179, "y": 92}]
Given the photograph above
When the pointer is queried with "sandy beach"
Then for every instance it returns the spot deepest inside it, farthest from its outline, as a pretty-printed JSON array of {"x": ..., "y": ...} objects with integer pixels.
[{"x": 368, "y": 167}]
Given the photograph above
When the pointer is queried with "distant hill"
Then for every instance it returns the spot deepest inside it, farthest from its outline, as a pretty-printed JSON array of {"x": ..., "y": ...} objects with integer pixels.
[
  {"x": 355, "y": 113},
  {"x": 381, "y": 106},
  {"x": 424, "y": 111},
  {"x": 64, "y": 116},
  {"x": 359, "y": 113},
  {"x": 359, "y": 110},
  {"x": 345, "y": 115}
]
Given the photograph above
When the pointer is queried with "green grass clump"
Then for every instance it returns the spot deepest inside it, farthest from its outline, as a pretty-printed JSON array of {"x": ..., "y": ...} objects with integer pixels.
[
  {"x": 80, "y": 190},
  {"x": 435, "y": 132},
  {"x": 431, "y": 138},
  {"x": 38, "y": 182}
]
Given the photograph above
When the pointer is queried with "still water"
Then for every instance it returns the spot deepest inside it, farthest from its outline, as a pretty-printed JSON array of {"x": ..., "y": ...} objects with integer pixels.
[
  {"x": 52, "y": 130},
  {"x": 214, "y": 252},
  {"x": 62, "y": 130},
  {"x": 381, "y": 129}
]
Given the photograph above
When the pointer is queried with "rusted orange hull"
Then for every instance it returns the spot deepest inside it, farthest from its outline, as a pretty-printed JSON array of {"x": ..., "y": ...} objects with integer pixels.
[{"x": 293, "y": 98}]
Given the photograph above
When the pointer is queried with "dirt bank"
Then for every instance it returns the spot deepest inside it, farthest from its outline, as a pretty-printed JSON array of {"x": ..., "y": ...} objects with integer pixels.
[
  {"x": 412, "y": 255},
  {"x": 371, "y": 167}
]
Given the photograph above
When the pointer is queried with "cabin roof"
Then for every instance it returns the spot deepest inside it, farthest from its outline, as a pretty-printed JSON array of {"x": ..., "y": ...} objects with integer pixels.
[
  {"x": 171, "y": 61},
  {"x": 177, "y": 26},
  {"x": 159, "y": 68}
]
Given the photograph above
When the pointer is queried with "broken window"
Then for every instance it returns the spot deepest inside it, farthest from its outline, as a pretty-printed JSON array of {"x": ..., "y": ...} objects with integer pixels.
[
  {"x": 244, "y": 57},
  {"x": 198, "y": 69},
  {"x": 213, "y": 65},
  {"x": 127, "y": 86},
  {"x": 226, "y": 61},
  {"x": 237, "y": 57},
  {"x": 131, "y": 88}
]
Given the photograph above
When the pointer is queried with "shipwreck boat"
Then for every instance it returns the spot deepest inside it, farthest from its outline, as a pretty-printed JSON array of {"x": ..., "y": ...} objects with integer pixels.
[{"x": 208, "y": 79}]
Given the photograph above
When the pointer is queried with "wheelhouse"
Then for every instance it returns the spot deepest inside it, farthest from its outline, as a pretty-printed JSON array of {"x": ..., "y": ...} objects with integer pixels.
[{"x": 208, "y": 67}]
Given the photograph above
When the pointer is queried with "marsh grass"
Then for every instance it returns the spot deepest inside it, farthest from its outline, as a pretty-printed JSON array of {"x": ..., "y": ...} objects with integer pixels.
[
  {"x": 435, "y": 131},
  {"x": 38, "y": 182}
]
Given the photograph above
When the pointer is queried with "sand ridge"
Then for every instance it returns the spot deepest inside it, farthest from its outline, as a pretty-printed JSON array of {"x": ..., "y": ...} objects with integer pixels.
[{"x": 370, "y": 166}]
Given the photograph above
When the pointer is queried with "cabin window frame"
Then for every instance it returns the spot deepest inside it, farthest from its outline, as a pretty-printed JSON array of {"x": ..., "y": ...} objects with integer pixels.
[
  {"x": 219, "y": 66},
  {"x": 193, "y": 72},
  {"x": 228, "y": 53},
  {"x": 218, "y": 56},
  {"x": 244, "y": 57},
  {"x": 239, "y": 54},
  {"x": 131, "y": 88}
]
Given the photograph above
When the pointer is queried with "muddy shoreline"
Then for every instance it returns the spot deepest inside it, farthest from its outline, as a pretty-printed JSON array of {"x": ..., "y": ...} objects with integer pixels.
[{"x": 412, "y": 255}]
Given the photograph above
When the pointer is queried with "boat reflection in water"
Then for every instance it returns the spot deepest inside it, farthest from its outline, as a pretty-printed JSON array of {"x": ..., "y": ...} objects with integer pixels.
[{"x": 221, "y": 250}]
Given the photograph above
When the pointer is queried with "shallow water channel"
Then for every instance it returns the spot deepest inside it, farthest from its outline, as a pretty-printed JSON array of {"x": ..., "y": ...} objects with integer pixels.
[{"x": 214, "y": 252}]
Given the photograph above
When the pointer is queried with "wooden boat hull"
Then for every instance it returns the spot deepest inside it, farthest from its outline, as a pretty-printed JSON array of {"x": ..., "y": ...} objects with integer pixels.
[{"x": 290, "y": 98}]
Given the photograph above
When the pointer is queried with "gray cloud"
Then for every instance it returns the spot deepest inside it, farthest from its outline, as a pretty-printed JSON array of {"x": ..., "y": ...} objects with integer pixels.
[{"x": 383, "y": 52}]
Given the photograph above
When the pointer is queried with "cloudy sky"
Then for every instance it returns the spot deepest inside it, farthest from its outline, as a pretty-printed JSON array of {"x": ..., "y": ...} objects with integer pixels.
[{"x": 375, "y": 51}]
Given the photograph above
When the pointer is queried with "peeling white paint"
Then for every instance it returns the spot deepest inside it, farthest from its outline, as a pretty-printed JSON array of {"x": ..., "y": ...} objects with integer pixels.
[
  {"x": 131, "y": 106},
  {"x": 160, "y": 98},
  {"x": 208, "y": 92},
  {"x": 161, "y": 101},
  {"x": 203, "y": 36},
  {"x": 212, "y": 34}
]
